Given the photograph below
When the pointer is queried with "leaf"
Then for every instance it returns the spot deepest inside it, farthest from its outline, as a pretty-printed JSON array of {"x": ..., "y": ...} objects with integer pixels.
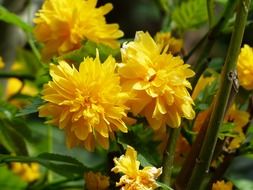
[
  {"x": 140, "y": 138},
  {"x": 190, "y": 14},
  {"x": 40, "y": 131},
  {"x": 227, "y": 130},
  {"x": 205, "y": 97},
  {"x": 164, "y": 186},
  {"x": 57, "y": 163},
  {"x": 11, "y": 18},
  {"x": 240, "y": 172},
  {"x": 10, "y": 181},
  {"x": 14, "y": 140},
  {"x": 89, "y": 49},
  {"x": 60, "y": 158},
  {"x": 31, "y": 108}
]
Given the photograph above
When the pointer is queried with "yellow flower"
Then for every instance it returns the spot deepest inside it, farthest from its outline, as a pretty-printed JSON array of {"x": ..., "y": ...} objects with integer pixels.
[
  {"x": 222, "y": 185},
  {"x": 15, "y": 85},
  {"x": 28, "y": 172},
  {"x": 88, "y": 104},
  {"x": 96, "y": 181},
  {"x": 165, "y": 40},
  {"x": 245, "y": 67},
  {"x": 135, "y": 179},
  {"x": 158, "y": 81},
  {"x": 1, "y": 63},
  {"x": 63, "y": 24},
  {"x": 240, "y": 118}
]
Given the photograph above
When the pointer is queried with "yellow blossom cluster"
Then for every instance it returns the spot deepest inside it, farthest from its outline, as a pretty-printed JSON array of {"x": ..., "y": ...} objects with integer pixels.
[
  {"x": 245, "y": 67},
  {"x": 90, "y": 104},
  {"x": 62, "y": 25},
  {"x": 134, "y": 178},
  {"x": 158, "y": 82},
  {"x": 87, "y": 103},
  {"x": 28, "y": 172}
]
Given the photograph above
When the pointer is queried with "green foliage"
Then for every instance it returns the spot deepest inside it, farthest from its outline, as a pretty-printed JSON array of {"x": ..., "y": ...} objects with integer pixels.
[
  {"x": 205, "y": 97},
  {"x": 89, "y": 49},
  {"x": 240, "y": 172},
  {"x": 190, "y": 14},
  {"x": 227, "y": 130},
  {"x": 60, "y": 164},
  {"x": 164, "y": 186},
  {"x": 247, "y": 146},
  {"x": 36, "y": 102},
  {"x": 13, "y": 130},
  {"x": 10, "y": 181},
  {"x": 140, "y": 138},
  {"x": 12, "y": 18}
]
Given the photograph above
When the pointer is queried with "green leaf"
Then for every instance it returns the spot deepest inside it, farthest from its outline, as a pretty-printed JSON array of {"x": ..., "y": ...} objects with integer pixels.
[
  {"x": 11, "y": 18},
  {"x": 10, "y": 181},
  {"x": 164, "y": 186},
  {"x": 12, "y": 138},
  {"x": 240, "y": 172},
  {"x": 57, "y": 163},
  {"x": 140, "y": 138},
  {"x": 227, "y": 130},
  {"x": 89, "y": 49},
  {"x": 31, "y": 108},
  {"x": 60, "y": 158},
  {"x": 190, "y": 14},
  {"x": 205, "y": 97}
]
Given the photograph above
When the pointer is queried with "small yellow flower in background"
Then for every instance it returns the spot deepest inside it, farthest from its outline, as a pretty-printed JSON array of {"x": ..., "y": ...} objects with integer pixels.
[
  {"x": 96, "y": 181},
  {"x": 88, "y": 104},
  {"x": 63, "y": 24},
  {"x": 245, "y": 67},
  {"x": 14, "y": 86},
  {"x": 240, "y": 118},
  {"x": 222, "y": 185},
  {"x": 1, "y": 63},
  {"x": 134, "y": 178},
  {"x": 165, "y": 40},
  {"x": 28, "y": 172},
  {"x": 158, "y": 82}
]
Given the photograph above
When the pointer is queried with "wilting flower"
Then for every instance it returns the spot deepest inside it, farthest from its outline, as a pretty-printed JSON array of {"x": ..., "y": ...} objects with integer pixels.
[
  {"x": 165, "y": 40},
  {"x": 63, "y": 24},
  {"x": 245, "y": 67},
  {"x": 96, "y": 181},
  {"x": 28, "y": 172},
  {"x": 157, "y": 80},
  {"x": 134, "y": 178},
  {"x": 222, "y": 185},
  {"x": 88, "y": 104}
]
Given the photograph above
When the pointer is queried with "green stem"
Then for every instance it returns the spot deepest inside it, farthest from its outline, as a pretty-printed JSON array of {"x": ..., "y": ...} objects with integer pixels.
[
  {"x": 18, "y": 75},
  {"x": 210, "y": 11},
  {"x": 169, "y": 155},
  {"x": 220, "y": 104},
  {"x": 50, "y": 148},
  {"x": 202, "y": 62}
]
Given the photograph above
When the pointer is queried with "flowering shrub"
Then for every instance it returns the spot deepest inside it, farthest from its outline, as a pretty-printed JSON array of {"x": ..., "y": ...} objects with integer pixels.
[{"x": 85, "y": 106}]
